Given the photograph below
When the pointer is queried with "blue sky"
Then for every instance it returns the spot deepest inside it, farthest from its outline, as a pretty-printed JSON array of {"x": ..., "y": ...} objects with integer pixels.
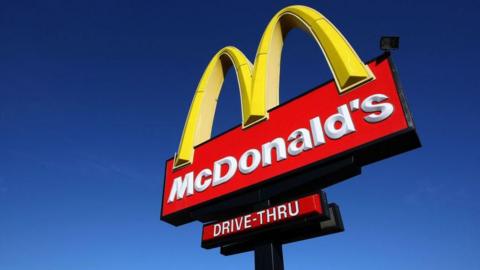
[{"x": 93, "y": 97}]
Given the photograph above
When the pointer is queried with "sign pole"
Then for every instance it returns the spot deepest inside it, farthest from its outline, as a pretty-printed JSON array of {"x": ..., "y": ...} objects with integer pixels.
[{"x": 269, "y": 257}]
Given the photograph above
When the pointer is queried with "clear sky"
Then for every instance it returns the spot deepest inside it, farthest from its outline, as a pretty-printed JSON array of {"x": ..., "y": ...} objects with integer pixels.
[{"x": 93, "y": 98}]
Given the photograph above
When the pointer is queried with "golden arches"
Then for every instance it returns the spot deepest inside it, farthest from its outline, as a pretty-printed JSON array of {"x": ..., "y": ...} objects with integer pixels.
[
  {"x": 259, "y": 83},
  {"x": 198, "y": 126}
]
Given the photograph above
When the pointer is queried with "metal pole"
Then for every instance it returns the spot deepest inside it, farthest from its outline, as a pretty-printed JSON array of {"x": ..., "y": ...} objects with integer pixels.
[{"x": 269, "y": 257}]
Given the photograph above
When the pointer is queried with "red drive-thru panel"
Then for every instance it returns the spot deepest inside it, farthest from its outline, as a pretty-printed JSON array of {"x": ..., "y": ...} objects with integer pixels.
[
  {"x": 312, "y": 205},
  {"x": 318, "y": 125}
]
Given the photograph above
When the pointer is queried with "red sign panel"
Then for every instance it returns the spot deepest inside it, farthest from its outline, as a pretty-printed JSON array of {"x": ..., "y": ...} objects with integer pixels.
[
  {"x": 316, "y": 126},
  {"x": 306, "y": 206}
]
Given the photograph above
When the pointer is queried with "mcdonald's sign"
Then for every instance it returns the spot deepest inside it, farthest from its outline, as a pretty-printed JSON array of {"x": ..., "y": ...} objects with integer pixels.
[{"x": 357, "y": 118}]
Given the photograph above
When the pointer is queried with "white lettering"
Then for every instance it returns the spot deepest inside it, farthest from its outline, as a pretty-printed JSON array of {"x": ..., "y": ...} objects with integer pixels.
[
  {"x": 216, "y": 229},
  {"x": 248, "y": 221},
  {"x": 243, "y": 167},
  {"x": 344, "y": 118},
  {"x": 271, "y": 214},
  {"x": 179, "y": 187},
  {"x": 282, "y": 211},
  {"x": 299, "y": 141},
  {"x": 291, "y": 211},
  {"x": 317, "y": 131},
  {"x": 281, "y": 153},
  {"x": 238, "y": 223},
  {"x": 231, "y": 162},
  {"x": 225, "y": 227},
  {"x": 383, "y": 110},
  {"x": 199, "y": 186},
  {"x": 261, "y": 214}
]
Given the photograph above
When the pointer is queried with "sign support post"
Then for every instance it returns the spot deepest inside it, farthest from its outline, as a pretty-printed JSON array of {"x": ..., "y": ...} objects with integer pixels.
[{"x": 269, "y": 257}]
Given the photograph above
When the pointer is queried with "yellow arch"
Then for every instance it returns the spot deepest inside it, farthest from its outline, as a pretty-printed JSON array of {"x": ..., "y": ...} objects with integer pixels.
[{"x": 259, "y": 83}]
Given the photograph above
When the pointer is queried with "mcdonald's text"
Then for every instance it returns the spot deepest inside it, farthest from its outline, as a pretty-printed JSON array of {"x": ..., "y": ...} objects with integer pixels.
[{"x": 375, "y": 107}]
